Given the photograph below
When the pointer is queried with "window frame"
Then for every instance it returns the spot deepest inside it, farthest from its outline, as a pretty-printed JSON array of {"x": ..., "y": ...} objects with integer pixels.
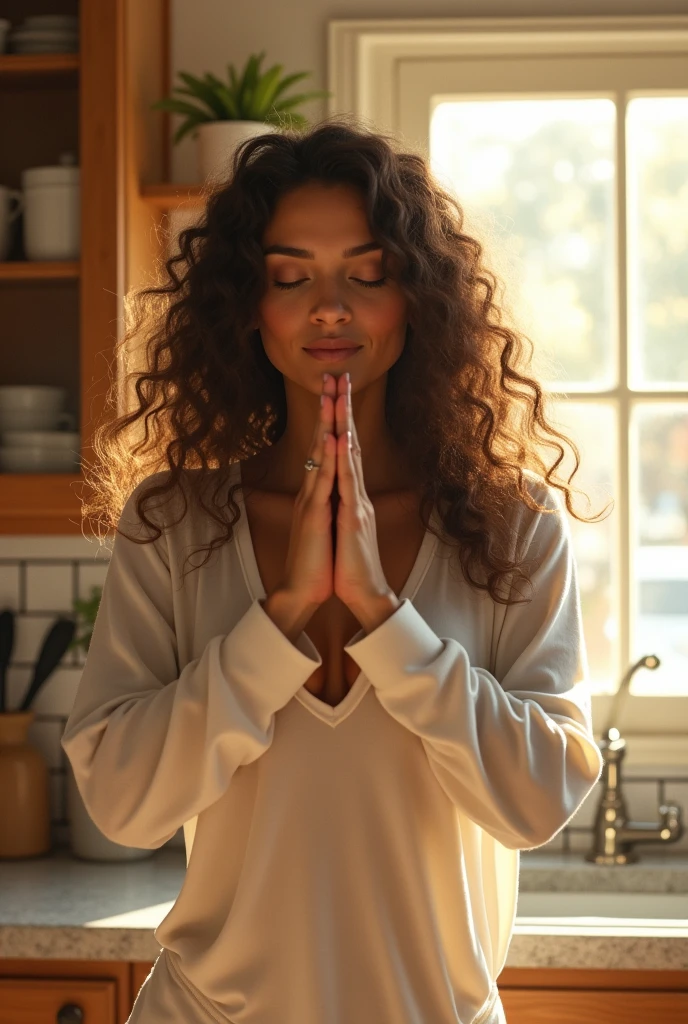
[{"x": 364, "y": 73}]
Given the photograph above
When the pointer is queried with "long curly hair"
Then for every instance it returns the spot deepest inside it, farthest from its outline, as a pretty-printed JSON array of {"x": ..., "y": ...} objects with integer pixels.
[{"x": 456, "y": 400}]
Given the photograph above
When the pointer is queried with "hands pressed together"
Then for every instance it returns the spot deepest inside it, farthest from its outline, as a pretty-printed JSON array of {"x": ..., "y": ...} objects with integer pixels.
[{"x": 313, "y": 571}]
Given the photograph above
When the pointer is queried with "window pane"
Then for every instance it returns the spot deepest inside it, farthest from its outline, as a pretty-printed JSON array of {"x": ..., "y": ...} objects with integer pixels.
[
  {"x": 537, "y": 179},
  {"x": 594, "y": 543},
  {"x": 657, "y": 148},
  {"x": 659, "y": 624}
]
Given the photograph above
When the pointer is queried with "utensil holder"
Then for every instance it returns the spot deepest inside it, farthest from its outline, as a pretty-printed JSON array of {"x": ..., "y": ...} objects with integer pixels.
[{"x": 24, "y": 790}]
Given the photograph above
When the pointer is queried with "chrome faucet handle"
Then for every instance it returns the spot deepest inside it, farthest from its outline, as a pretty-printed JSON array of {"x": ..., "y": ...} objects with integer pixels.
[
  {"x": 614, "y": 836},
  {"x": 650, "y": 661}
]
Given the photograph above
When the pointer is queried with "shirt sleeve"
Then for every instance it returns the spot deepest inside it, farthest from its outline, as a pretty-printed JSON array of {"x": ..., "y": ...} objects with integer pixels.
[
  {"x": 151, "y": 745},
  {"x": 515, "y": 750}
]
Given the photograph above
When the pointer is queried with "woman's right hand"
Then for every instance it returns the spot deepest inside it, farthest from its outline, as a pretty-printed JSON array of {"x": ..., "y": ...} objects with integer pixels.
[{"x": 309, "y": 567}]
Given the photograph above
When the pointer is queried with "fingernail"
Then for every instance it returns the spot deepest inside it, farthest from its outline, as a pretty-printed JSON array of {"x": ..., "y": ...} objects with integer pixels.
[
  {"x": 326, "y": 377},
  {"x": 322, "y": 401}
]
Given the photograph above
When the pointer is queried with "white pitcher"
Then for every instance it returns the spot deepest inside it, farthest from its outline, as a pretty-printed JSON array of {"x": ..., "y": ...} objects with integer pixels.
[{"x": 52, "y": 215}]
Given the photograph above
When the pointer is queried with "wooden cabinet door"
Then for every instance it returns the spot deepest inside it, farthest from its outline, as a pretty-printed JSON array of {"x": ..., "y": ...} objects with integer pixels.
[
  {"x": 603, "y": 1006},
  {"x": 39, "y": 1000}
]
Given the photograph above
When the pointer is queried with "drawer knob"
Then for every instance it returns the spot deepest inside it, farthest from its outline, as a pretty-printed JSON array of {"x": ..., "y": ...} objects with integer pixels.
[{"x": 70, "y": 1013}]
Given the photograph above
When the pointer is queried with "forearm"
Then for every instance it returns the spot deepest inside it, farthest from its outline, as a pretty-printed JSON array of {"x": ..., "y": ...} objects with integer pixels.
[{"x": 289, "y": 614}]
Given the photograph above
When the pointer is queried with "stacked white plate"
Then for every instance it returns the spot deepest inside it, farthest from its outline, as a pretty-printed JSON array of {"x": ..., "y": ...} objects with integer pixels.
[
  {"x": 32, "y": 434},
  {"x": 46, "y": 33}
]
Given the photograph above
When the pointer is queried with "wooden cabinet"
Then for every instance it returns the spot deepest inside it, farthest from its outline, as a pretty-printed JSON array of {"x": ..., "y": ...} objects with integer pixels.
[
  {"x": 537, "y": 996},
  {"x": 34, "y": 992},
  {"x": 60, "y": 321},
  {"x": 47, "y": 991}
]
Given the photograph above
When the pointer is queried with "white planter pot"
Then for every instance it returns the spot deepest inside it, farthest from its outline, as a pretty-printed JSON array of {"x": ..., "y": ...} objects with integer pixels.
[{"x": 217, "y": 141}]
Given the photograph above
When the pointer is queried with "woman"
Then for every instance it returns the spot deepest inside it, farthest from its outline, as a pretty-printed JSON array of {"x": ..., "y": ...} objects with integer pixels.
[{"x": 357, "y": 738}]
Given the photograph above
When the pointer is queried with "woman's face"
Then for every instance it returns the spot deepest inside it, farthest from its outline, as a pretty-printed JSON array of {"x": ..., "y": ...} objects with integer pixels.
[{"x": 327, "y": 292}]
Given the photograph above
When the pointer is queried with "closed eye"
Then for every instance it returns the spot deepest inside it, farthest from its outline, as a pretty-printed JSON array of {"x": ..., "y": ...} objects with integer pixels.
[{"x": 366, "y": 284}]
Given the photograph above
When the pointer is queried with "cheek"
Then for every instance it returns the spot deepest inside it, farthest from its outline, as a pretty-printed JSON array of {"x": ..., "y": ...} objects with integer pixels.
[
  {"x": 276, "y": 317},
  {"x": 389, "y": 314}
]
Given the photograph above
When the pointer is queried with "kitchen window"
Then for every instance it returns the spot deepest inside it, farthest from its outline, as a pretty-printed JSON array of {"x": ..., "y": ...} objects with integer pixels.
[{"x": 566, "y": 142}]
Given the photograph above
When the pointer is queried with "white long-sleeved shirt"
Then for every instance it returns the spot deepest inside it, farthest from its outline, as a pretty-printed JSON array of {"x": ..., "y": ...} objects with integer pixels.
[{"x": 348, "y": 865}]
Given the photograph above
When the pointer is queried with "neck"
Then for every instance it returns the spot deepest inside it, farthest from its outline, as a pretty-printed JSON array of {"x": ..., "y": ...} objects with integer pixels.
[{"x": 384, "y": 469}]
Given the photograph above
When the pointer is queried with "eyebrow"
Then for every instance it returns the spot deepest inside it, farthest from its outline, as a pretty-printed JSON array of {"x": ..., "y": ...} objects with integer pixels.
[{"x": 306, "y": 254}]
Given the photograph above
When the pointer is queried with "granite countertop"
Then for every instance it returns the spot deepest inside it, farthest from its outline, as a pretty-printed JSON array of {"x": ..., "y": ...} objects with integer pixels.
[{"x": 60, "y": 907}]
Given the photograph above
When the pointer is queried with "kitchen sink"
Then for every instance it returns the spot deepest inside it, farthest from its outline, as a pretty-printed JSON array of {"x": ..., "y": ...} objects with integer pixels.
[{"x": 581, "y": 907}]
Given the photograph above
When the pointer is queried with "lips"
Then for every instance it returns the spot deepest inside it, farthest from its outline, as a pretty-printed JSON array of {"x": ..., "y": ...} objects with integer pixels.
[{"x": 331, "y": 343}]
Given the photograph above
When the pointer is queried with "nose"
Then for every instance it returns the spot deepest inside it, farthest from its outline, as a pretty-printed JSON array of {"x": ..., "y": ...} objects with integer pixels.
[{"x": 329, "y": 308}]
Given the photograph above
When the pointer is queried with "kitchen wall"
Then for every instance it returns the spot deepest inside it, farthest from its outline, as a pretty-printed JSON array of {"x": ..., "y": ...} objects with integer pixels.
[
  {"x": 208, "y": 34},
  {"x": 40, "y": 576}
]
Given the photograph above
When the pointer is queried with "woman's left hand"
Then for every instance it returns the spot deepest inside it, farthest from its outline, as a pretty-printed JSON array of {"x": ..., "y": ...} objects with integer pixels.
[{"x": 359, "y": 581}]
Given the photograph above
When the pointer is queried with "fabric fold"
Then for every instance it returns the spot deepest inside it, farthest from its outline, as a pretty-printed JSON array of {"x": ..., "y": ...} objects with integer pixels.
[
  {"x": 151, "y": 746},
  {"x": 514, "y": 750}
]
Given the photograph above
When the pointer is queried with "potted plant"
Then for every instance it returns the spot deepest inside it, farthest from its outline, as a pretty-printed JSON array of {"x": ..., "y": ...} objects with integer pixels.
[
  {"x": 86, "y": 610},
  {"x": 223, "y": 114}
]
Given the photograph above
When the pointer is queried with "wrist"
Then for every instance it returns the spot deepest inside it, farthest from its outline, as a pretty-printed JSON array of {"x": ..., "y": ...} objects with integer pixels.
[
  {"x": 375, "y": 610},
  {"x": 288, "y": 611}
]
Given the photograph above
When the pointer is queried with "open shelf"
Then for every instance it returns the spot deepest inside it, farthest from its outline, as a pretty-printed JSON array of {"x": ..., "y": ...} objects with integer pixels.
[
  {"x": 61, "y": 319},
  {"x": 39, "y": 270},
  {"x": 20, "y": 64}
]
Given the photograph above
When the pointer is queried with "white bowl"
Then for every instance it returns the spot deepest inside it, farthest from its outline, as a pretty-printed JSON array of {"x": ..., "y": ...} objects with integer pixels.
[
  {"x": 59, "y": 47},
  {"x": 36, "y": 459},
  {"x": 31, "y": 397},
  {"x": 44, "y": 33},
  {"x": 41, "y": 439},
  {"x": 58, "y": 21}
]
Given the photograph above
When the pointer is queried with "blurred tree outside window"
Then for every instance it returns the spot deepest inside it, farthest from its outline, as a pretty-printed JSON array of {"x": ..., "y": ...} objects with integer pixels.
[{"x": 539, "y": 182}]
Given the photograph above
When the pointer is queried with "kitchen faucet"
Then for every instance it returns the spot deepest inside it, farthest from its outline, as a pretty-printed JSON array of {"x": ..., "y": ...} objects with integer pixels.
[{"x": 613, "y": 834}]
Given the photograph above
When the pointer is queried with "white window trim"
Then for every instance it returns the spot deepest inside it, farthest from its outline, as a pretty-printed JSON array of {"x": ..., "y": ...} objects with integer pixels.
[{"x": 363, "y": 63}]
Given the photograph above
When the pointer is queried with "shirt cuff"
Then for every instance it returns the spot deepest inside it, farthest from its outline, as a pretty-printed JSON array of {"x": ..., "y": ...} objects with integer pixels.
[
  {"x": 271, "y": 654},
  {"x": 403, "y": 643}
]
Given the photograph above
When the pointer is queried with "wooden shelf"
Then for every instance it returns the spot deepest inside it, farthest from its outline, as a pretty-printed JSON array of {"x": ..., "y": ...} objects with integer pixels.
[
  {"x": 169, "y": 195},
  {"x": 39, "y": 270},
  {"x": 40, "y": 503},
  {"x": 61, "y": 318},
  {"x": 16, "y": 64}
]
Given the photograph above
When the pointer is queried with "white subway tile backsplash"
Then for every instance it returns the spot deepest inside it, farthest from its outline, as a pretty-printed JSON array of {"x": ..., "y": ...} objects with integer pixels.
[
  {"x": 29, "y": 633},
  {"x": 16, "y": 684},
  {"x": 49, "y": 572},
  {"x": 90, "y": 576},
  {"x": 49, "y": 588},
  {"x": 9, "y": 586},
  {"x": 57, "y": 694}
]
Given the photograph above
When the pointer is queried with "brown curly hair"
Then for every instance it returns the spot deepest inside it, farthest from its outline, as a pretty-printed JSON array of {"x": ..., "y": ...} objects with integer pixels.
[{"x": 455, "y": 402}]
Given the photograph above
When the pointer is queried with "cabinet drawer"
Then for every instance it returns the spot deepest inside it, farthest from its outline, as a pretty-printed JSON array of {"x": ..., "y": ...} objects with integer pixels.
[
  {"x": 39, "y": 1000},
  {"x": 603, "y": 1006}
]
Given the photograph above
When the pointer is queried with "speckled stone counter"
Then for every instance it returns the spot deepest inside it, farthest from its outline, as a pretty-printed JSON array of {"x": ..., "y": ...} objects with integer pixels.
[{"x": 59, "y": 907}]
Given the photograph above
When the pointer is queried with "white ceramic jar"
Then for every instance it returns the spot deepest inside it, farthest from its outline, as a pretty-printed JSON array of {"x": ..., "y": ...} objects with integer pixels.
[{"x": 52, "y": 211}]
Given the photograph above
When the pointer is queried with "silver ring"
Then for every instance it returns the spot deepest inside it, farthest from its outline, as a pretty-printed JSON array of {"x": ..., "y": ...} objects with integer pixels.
[{"x": 309, "y": 464}]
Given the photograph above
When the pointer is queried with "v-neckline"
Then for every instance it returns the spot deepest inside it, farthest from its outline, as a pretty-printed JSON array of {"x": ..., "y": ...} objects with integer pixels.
[{"x": 249, "y": 564}]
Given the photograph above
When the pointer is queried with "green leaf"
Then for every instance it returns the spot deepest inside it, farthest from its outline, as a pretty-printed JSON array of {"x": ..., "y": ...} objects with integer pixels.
[
  {"x": 234, "y": 81},
  {"x": 189, "y": 126},
  {"x": 290, "y": 80},
  {"x": 249, "y": 81},
  {"x": 287, "y": 120},
  {"x": 204, "y": 91},
  {"x": 267, "y": 87},
  {"x": 232, "y": 111},
  {"x": 180, "y": 107},
  {"x": 295, "y": 101}
]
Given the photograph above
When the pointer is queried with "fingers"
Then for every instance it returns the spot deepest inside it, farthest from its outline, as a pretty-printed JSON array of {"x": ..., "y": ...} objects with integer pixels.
[
  {"x": 328, "y": 445},
  {"x": 318, "y": 482}
]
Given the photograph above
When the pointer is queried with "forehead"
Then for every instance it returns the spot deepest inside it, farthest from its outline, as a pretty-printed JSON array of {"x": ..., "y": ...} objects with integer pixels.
[{"x": 319, "y": 214}]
